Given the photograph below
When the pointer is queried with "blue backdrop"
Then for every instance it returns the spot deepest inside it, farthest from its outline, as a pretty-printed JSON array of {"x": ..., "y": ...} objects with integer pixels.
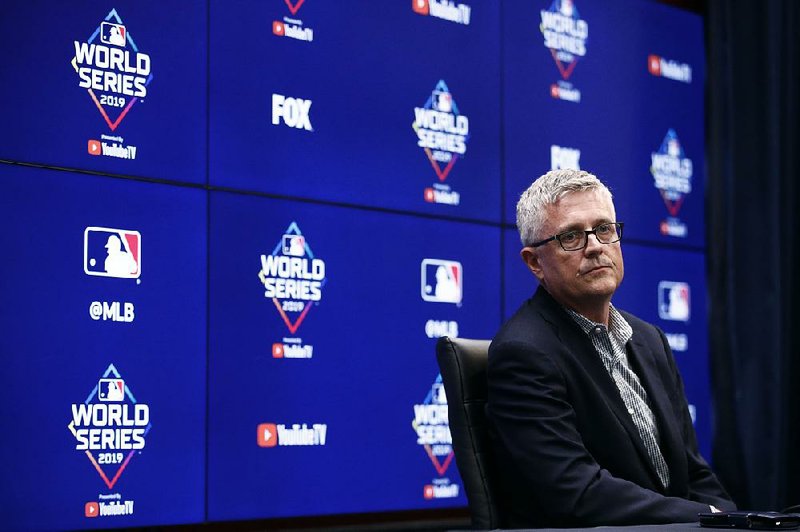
[{"x": 236, "y": 229}]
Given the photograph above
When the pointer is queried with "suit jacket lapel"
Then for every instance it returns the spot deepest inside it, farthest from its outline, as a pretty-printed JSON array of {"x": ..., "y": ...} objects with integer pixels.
[{"x": 643, "y": 363}]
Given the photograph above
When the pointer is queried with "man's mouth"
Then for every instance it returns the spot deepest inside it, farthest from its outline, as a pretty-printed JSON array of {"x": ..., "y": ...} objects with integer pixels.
[{"x": 594, "y": 269}]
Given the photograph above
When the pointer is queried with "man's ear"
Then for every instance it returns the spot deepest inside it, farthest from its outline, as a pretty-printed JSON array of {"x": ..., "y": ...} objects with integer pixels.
[{"x": 531, "y": 258}]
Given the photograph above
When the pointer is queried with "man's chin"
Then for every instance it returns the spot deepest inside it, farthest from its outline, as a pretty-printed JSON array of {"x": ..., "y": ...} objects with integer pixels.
[{"x": 602, "y": 285}]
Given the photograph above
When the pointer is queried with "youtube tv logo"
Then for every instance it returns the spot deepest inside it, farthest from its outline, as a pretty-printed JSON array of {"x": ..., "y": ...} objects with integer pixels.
[
  {"x": 440, "y": 491},
  {"x": 420, "y": 6},
  {"x": 294, "y": 29},
  {"x": 94, "y": 147},
  {"x": 430, "y": 197},
  {"x": 448, "y": 10},
  {"x": 293, "y": 350},
  {"x": 91, "y": 509},
  {"x": 291, "y": 435},
  {"x": 267, "y": 435},
  {"x": 669, "y": 68}
]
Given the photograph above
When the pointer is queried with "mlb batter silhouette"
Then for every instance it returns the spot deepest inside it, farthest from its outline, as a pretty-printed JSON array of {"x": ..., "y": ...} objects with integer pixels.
[
  {"x": 114, "y": 393},
  {"x": 115, "y": 36},
  {"x": 297, "y": 246},
  {"x": 446, "y": 285},
  {"x": 678, "y": 303},
  {"x": 118, "y": 262}
]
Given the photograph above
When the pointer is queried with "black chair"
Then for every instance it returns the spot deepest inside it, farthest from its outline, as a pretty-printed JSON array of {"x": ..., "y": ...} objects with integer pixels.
[{"x": 463, "y": 366}]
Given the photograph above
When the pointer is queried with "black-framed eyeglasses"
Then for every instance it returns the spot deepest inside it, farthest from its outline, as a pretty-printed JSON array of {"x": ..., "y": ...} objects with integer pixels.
[{"x": 575, "y": 240}]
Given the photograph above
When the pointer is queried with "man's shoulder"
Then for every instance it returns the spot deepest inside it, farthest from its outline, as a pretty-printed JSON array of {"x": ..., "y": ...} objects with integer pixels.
[
  {"x": 541, "y": 319},
  {"x": 640, "y": 326},
  {"x": 535, "y": 322}
]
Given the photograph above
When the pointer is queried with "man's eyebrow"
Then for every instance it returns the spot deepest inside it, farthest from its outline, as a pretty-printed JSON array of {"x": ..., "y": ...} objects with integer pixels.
[
  {"x": 580, "y": 227},
  {"x": 570, "y": 227}
]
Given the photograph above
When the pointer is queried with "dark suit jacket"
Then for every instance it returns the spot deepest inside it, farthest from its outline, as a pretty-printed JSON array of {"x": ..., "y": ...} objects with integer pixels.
[{"x": 566, "y": 450}]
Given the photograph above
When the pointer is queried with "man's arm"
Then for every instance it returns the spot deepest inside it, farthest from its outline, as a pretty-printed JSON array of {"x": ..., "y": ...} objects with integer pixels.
[{"x": 546, "y": 471}]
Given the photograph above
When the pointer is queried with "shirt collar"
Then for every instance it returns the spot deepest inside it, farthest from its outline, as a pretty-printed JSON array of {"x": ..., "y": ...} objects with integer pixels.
[{"x": 618, "y": 327}]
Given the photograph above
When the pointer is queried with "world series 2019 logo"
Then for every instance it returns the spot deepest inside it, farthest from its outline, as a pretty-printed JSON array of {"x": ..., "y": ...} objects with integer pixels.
[
  {"x": 672, "y": 176},
  {"x": 112, "y": 70},
  {"x": 116, "y": 76},
  {"x": 565, "y": 35},
  {"x": 442, "y": 132},
  {"x": 293, "y": 279},
  {"x": 110, "y": 426},
  {"x": 432, "y": 426}
]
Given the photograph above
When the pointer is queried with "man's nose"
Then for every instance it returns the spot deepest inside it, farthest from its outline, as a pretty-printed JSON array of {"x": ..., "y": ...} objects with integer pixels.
[{"x": 593, "y": 245}]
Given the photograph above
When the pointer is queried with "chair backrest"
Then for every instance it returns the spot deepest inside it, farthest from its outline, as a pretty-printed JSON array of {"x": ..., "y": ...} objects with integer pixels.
[{"x": 463, "y": 366}]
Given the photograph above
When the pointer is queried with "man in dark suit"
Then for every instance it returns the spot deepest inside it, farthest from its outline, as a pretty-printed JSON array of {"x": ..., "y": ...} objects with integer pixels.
[{"x": 588, "y": 419}]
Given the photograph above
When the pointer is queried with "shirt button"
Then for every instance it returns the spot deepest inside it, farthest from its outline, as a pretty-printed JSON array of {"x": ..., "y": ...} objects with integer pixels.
[{"x": 630, "y": 411}]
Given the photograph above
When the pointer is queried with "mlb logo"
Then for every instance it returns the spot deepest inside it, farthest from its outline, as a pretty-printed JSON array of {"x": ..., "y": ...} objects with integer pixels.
[
  {"x": 112, "y": 34},
  {"x": 111, "y": 252},
  {"x": 267, "y": 435},
  {"x": 442, "y": 101},
  {"x": 674, "y": 301},
  {"x": 294, "y": 245},
  {"x": 654, "y": 65},
  {"x": 438, "y": 397},
  {"x": 111, "y": 390},
  {"x": 442, "y": 281},
  {"x": 561, "y": 157}
]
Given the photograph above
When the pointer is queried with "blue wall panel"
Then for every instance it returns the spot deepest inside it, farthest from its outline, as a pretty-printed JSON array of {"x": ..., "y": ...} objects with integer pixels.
[
  {"x": 116, "y": 88},
  {"x": 352, "y": 354},
  {"x": 74, "y": 324}
]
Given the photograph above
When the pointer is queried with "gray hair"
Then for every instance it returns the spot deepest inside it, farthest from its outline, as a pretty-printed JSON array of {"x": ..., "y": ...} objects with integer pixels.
[{"x": 547, "y": 190}]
